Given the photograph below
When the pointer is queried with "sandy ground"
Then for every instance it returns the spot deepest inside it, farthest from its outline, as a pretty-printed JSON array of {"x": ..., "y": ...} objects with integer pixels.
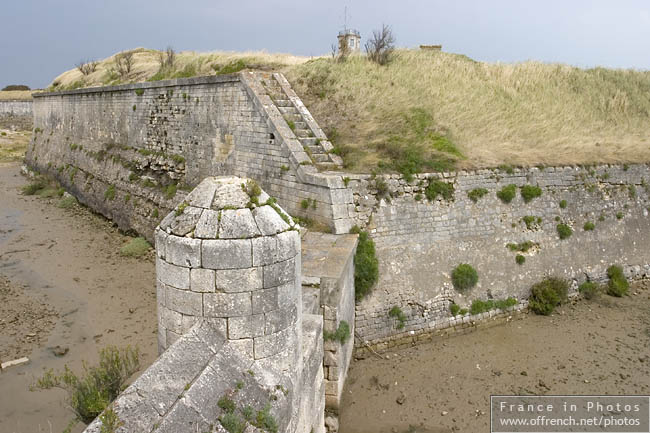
[
  {"x": 590, "y": 347},
  {"x": 63, "y": 285}
]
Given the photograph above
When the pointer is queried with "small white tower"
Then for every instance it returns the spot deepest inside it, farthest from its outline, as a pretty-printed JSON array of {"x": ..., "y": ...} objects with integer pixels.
[{"x": 349, "y": 41}]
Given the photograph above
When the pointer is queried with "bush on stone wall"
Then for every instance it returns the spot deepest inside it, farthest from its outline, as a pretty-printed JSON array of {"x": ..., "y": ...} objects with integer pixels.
[
  {"x": 589, "y": 289},
  {"x": 464, "y": 277},
  {"x": 366, "y": 266},
  {"x": 507, "y": 193},
  {"x": 548, "y": 294},
  {"x": 564, "y": 231},
  {"x": 617, "y": 285},
  {"x": 439, "y": 188},
  {"x": 530, "y": 192}
]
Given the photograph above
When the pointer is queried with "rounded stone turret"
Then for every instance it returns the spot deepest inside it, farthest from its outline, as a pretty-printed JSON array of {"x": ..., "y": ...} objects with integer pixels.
[{"x": 228, "y": 253}]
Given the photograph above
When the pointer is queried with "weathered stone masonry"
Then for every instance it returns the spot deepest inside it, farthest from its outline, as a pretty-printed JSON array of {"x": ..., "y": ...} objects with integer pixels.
[
  {"x": 16, "y": 115},
  {"x": 420, "y": 242},
  {"x": 230, "y": 320},
  {"x": 128, "y": 151}
]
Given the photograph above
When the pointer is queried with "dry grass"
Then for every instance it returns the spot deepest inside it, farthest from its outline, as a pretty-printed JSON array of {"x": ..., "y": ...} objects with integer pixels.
[
  {"x": 521, "y": 114},
  {"x": 16, "y": 95},
  {"x": 13, "y": 144},
  {"x": 146, "y": 66},
  {"x": 430, "y": 110}
]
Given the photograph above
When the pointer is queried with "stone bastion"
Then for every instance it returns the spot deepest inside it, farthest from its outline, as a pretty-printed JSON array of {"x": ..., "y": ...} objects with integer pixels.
[{"x": 230, "y": 321}]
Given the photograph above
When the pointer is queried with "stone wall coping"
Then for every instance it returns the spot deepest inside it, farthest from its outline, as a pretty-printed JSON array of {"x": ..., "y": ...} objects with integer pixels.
[{"x": 194, "y": 81}]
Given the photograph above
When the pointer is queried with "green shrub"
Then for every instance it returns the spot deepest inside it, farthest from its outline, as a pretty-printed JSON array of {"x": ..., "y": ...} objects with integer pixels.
[
  {"x": 110, "y": 193},
  {"x": 530, "y": 192},
  {"x": 564, "y": 231},
  {"x": 90, "y": 393},
  {"x": 454, "y": 308},
  {"x": 366, "y": 265},
  {"x": 531, "y": 221},
  {"x": 619, "y": 215},
  {"x": 618, "y": 284},
  {"x": 521, "y": 246},
  {"x": 181, "y": 208},
  {"x": 34, "y": 187},
  {"x": 479, "y": 306},
  {"x": 507, "y": 193},
  {"x": 589, "y": 289},
  {"x": 464, "y": 277},
  {"x": 507, "y": 168},
  {"x": 139, "y": 92},
  {"x": 519, "y": 259},
  {"x": 304, "y": 203},
  {"x": 170, "y": 191},
  {"x": 226, "y": 404},
  {"x": 136, "y": 247},
  {"x": 341, "y": 334},
  {"x": 589, "y": 226},
  {"x": 476, "y": 194},
  {"x": 397, "y": 313},
  {"x": 437, "y": 187},
  {"x": 232, "y": 423},
  {"x": 563, "y": 204},
  {"x": 632, "y": 191},
  {"x": 67, "y": 202},
  {"x": 548, "y": 294}
]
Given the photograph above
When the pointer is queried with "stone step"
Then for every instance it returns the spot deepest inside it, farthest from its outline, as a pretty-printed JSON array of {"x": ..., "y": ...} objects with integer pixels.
[
  {"x": 293, "y": 117},
  {"x": 312, "y": 149},
  {"x": 324, "y": 166},
  {"x": 288, "y": 110},
  {"x": 310, "y": 141},
  {"x": 301, "y": 125},
  {"x": 283, "y": 103},
  {"x": 302, "y": 132},
  {"x": 277, "y": 96},
  {"x": 320, "y": 157}
]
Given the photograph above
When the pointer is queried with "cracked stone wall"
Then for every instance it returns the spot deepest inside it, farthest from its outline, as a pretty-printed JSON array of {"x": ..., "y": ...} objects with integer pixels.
[
  {"x": 132, "y": 152},
  {"x": 419, "y": 242},
  {"x": 230, "y": 320}
]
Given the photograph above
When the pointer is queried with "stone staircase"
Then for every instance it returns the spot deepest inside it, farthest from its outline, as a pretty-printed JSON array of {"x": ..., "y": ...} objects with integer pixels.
[{"x": 300, "y": 122}]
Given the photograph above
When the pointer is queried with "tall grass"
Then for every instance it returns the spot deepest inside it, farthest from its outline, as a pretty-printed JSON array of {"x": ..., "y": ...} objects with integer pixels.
[{"x": 522, "y": 114}]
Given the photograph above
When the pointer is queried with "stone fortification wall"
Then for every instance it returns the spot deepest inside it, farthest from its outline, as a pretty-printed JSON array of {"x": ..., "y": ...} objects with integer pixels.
[
  {"x": 16, "y": 115},
  {"x": 129, "y": 151},
  {"x": 419, "y": 242},
  {"x": 230, "y": 321}
]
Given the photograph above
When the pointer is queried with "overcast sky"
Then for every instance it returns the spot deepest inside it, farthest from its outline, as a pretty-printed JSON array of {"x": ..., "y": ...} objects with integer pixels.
[{"x": 41, "y": 39}]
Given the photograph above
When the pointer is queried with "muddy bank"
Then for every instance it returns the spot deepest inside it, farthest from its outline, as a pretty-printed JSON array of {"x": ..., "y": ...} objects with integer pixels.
[
  {"x": 63, "y": 286},
  {"x": 590, "y": 347}
]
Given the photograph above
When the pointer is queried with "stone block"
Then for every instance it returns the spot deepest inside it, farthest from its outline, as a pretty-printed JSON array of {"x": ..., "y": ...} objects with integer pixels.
[
  {"x": 331, "y": 387},
  {"x": 289, "y": 294},
  {"x": 237, "y": 224},
  {"x": 275, "y": 321},
  {"x": 227, "y": 254},
  {"x": 171, "y": 320},
  {"x": 172, "y": 275},
  {"x": 183, "y": 251},
  {"x": 208, "y": 225},
  {"x": 245, "y": 327},
  {"x": 227, "y": 304},
  {"x": 265, "y": 300},
  {"x": 161, "y": 243},
  {"x": 265, "y": 250},
  {"x": 288, "y": 245},
  {"x": 279, "y": 273},
  {"x": 184, "y": 301},
  {"x": 238, "y": 280},
  {"x": 269, "y": 345},
  {"x": 268, "y": 221},
  {"x": 202, "y": 280},
  {"x": 244, "y": 346}
]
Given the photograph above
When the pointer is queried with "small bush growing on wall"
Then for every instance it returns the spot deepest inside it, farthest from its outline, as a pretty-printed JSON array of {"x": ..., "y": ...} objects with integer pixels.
[
  {"x": 476, "y": 194},
  {"x": 563, "y": 204},
  {"x": 589, "y": 289},
  {"x": 454, "y": 308},
  {"x": 110, "y": 193},
  {"x": 479, "y": 306},
  {"x": 366, "y": 266},
  {"x": 548, "y": 294},
  {"x": 397, "y": 313},
  {"x": 520, "y": 260},
  {"x": 437, "y": 187},
  {"x": 464, "y": 277},
  {"x": 617, "y": 285},
  {"x": 564, "y": 231},
  {"x": 341, "y": 334},
  {"x": 530, "y": 192},
  {"x": 589, "y": 226},
  {"x": 507, "y": 193}
]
